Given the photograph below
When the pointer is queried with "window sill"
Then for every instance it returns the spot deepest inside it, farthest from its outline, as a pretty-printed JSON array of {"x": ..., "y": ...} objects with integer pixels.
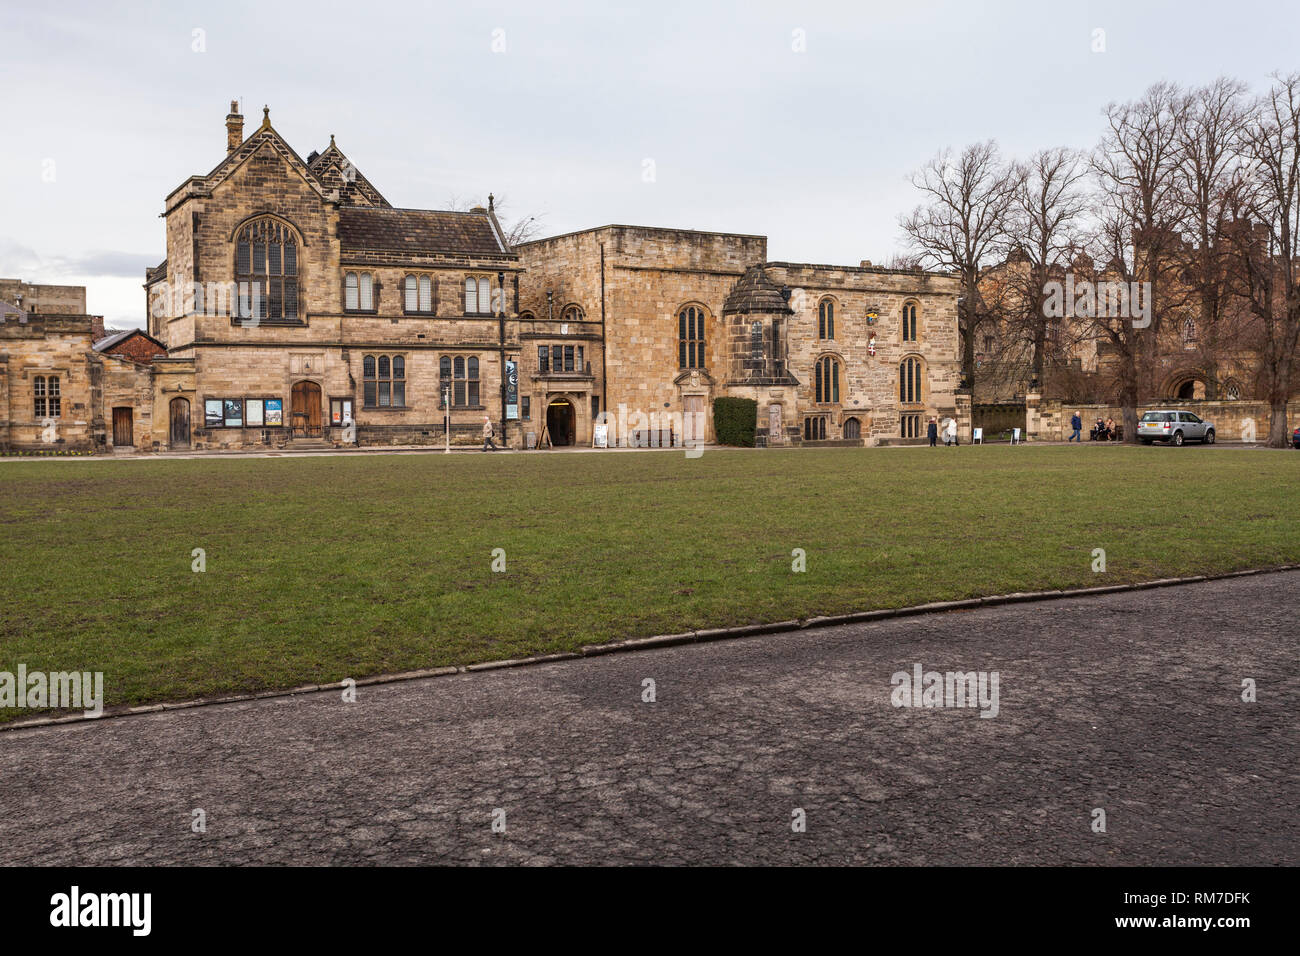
[
  {"x": 248, "y": 322},
  {"x": 360, "y": 311},
  {"x": 417, "y": 315},
  {"x": 387, "y": 408}
]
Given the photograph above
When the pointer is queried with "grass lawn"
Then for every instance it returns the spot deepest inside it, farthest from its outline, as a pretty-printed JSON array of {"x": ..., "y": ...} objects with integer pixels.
[{"x": 331, "y": 567}]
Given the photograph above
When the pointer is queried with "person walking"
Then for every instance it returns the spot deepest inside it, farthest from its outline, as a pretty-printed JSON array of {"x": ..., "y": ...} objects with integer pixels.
[
  {"x": 488, "y": 443},
  {"x": 1077, "y": 424},
  {"x": 933, "y": 431}
]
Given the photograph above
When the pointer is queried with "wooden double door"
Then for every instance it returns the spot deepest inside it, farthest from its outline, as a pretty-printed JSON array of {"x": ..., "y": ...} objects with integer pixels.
[{"x": 305, "y": 410}]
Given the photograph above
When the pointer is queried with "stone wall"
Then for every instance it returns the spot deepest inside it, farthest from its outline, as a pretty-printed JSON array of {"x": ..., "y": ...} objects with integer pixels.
[
  {"x": 1050, "y": 421},
  {"x": 46, "y": 345}
]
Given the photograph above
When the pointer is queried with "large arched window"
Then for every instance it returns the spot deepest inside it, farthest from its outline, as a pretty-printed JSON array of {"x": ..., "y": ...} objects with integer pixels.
[
  {"x": 826, "y": 319},
  {"x": 827, "y": 376},
  {"x": 909, "y": 321},
  {"x": 690, "y": 337},
  {"x": 266, "y": 269},
  {"x": 909, "y": 381},
  {"x": 1189, "y": 332}
]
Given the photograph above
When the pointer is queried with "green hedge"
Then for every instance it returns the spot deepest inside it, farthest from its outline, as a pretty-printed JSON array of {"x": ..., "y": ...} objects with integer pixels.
[{"x": 735, "y": 421}]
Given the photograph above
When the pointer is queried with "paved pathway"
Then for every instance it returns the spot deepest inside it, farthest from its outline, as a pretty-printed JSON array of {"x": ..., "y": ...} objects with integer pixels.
[{"x": 1129, "y": 703}]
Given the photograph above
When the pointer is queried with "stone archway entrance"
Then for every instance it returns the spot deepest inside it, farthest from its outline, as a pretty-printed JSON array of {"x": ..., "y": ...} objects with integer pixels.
[
  {"x": 305, "y": 410},
  {"x": 561, "y": 422}
]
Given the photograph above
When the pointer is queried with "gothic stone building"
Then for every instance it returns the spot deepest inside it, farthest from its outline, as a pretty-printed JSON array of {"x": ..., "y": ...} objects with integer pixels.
[{"x": 297, "y": 306}]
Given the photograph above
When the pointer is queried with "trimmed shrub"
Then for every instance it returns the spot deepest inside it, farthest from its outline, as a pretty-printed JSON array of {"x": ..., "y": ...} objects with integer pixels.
[{"x": 735, "y": 420}]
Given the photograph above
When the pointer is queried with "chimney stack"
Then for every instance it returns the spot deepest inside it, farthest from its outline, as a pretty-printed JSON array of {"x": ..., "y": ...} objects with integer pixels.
[{"x": 234, "y": 128}]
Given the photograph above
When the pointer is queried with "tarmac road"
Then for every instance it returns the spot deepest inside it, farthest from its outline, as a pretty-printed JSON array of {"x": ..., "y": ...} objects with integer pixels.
[{"x": 1128, "y": 703}]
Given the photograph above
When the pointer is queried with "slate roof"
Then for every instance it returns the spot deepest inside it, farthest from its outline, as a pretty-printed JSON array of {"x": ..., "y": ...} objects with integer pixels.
[
  {"x": 335, "y": 171},
  {"x": 755, "y": 292},
  {"x": 116, "y": 338},
  {"x": 418, "y": 232}
]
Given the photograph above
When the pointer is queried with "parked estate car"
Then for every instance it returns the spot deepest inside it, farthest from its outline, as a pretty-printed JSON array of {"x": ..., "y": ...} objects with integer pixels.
[{"x": 1174, "y": 427}]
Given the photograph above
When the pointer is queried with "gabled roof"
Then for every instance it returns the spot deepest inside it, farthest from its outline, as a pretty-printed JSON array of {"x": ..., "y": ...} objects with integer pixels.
[
  {"x": 108, "y": 342},
  {"x": 264, "y": 137},
  {"x": 335, "y": 171},
  {"x": 419, "y": 232}
]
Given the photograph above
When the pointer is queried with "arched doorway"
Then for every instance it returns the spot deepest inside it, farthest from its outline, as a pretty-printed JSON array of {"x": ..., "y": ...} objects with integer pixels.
[
  {"x": 852, "y": 428},
  {"x": 305, "y": 410},
  {"x": 561, "y": 422},
  {"x": 179, "y": 436}
]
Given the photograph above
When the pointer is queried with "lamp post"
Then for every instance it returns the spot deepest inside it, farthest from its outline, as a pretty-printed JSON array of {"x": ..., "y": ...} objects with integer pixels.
[{"x": 446, "y": 417}]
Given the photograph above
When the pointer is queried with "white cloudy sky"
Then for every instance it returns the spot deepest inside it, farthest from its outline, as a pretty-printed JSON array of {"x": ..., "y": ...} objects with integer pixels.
[{"x": 811, "y": 149}]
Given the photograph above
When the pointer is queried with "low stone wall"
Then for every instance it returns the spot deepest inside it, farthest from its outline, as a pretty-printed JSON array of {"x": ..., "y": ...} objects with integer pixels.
[{"x": 1233, "y": 420}]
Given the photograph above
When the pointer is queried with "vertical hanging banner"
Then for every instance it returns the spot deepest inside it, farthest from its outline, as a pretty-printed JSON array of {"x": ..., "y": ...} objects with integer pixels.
[{"x": 512, "y": 390}]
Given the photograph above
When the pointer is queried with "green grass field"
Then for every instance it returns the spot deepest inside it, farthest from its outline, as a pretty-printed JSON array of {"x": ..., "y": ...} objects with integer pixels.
[{"x": 330, "y": 567}]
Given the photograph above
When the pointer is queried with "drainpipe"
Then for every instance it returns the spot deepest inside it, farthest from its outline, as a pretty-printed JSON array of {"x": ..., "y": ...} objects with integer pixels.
[
  {"x": 501, "y": 339},
  {"x": 604, "y": 375}
]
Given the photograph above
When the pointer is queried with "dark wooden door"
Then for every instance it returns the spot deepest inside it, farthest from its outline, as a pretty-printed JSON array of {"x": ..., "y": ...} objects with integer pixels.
[
  {"x": 180, "y": 419},
  {"x": 122, "y": 437},
  {"x": 305, "y": 410}
]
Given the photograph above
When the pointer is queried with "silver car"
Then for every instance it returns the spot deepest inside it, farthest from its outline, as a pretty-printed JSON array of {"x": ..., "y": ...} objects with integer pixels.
[{"x": 1175, "y": 427}]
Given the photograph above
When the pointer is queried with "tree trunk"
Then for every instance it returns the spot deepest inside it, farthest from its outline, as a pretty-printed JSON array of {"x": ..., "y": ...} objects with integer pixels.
[{"x": 1277, "y": 431}]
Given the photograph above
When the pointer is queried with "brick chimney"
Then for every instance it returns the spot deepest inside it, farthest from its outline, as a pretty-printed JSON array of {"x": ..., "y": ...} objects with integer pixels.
[
  {"x": 234, "y": 128},
  {"x": 96, "y": 328}
]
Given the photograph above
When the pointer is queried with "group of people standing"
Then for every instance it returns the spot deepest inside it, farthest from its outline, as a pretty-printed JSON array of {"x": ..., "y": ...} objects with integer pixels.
[{"x": 949, "y": 429}]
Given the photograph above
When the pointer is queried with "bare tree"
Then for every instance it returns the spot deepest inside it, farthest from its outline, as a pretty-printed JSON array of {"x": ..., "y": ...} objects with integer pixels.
[
  {"x": 515, "y": 230},
  {"x": 1269, "y": 192},
  {"x": 1208, "y": 148},
  {"x": 962, "y": 226},
  {"x": 1137, "y": 168},
  {"x": 1046, "y": 220}
]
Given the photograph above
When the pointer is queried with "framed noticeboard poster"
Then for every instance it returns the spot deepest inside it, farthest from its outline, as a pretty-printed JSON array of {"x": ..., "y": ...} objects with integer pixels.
[
  {"x": 274, "y": 412},
  {"x": 212, "y": 413},
  {"x": 253, "y": 412}
]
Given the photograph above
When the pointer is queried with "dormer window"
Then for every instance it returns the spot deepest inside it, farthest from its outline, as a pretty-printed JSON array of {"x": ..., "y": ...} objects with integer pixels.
[{"x": 266, "y": 270}]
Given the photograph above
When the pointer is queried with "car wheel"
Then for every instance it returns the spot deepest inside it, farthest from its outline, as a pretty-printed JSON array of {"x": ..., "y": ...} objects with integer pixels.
[
  {"x": 1209, "y": 437},
  {"x": 1178, "y": 439}
]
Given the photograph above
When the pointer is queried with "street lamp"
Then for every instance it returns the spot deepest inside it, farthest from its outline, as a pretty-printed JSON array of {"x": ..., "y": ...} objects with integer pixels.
[{"x": 446, "y": 430}]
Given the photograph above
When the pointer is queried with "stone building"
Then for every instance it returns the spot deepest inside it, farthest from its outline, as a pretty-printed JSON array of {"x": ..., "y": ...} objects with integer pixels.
[
  {"x": 66, "y": 386},
  {"x": 297, "y": 306}
]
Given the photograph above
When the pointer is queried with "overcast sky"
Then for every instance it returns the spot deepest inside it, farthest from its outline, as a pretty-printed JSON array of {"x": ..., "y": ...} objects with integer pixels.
[{"x": 798, "y": 121}]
